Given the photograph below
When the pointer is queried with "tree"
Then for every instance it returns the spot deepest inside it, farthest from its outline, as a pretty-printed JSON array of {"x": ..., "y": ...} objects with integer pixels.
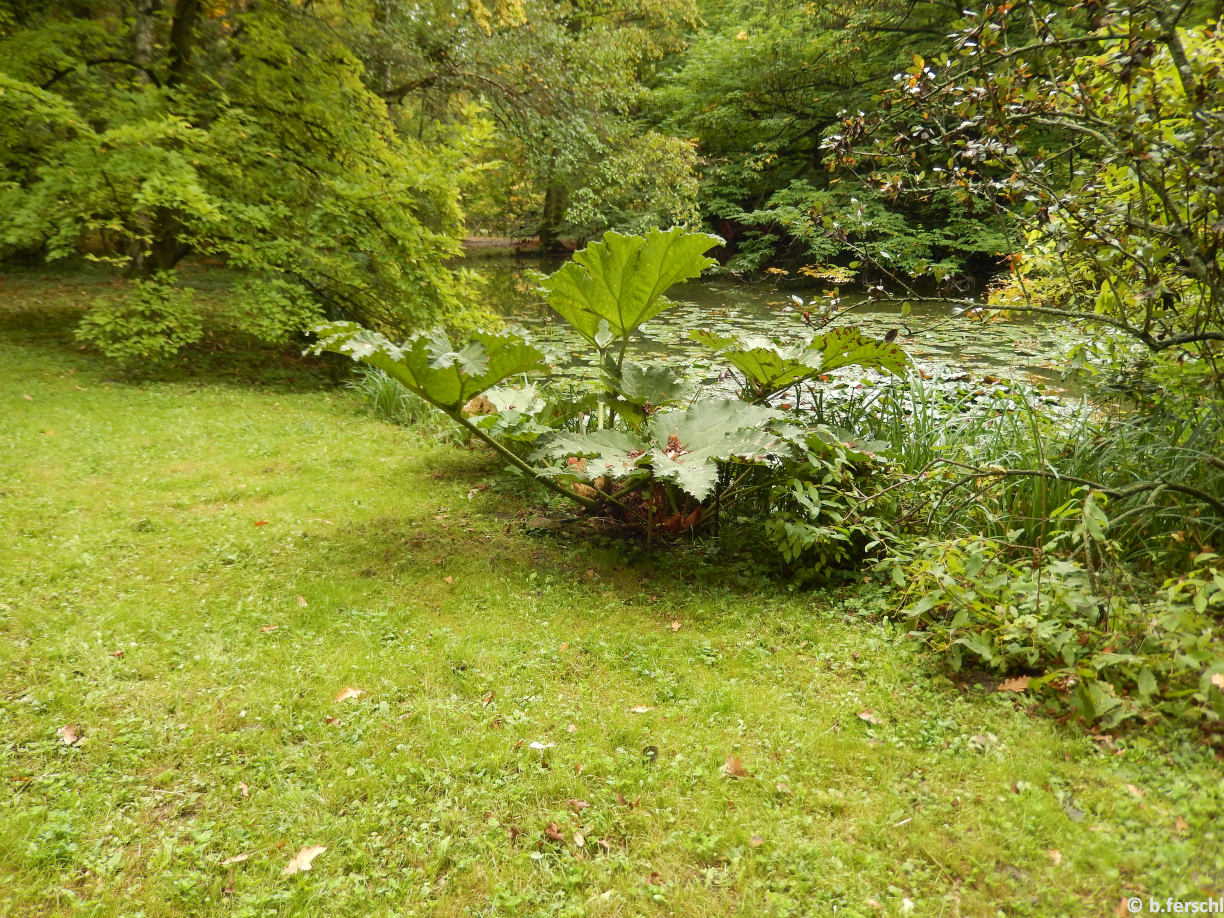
[
  {"x": 762, "y": 84},
  {"x": 563, "y": 84},
  {"x": 144, "y": 130},
  {"x": 1096, "y": 129}
]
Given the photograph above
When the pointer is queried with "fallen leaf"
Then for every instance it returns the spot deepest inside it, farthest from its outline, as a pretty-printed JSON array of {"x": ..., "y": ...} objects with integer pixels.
[
  {"x": 756, "y": 841},
  {"x": 734, "y": 767},
  {"x": 579, "y": 839},
  {"x": 1217, "y": 679},
  {"x": 331, "y": 721},
  {"x": 655, "y": 878},
  {"x": 261, "y": 522},
  {"x": 28, "y": 398},
  {"x": 266, "y": 628},
  {"x": 675, "y": 626},
  {"x": 301, "y": 600},
  {"x": 571, "y": 729},
  {"x": 1055, "y": 856},
  {"x": 69, "y": 734},
  {"x": 577, "y": 805},
  {"x": 1180, "y": 824},
  {"x": 346, "y": 694},
  {"x": 869, "y": 716},
  {"x": 564, "y": 645},
  {"x": 1137, "y": 792},
  {"x": 487, "y": 699},
  {"x": 1018, "y": 684},
  {"x": 236, "y": 859},
  {"x": 448, "y": 579},
  {"x": 303, "y": 859},
  {"x": 118, "y": 654},
  {"x": 782, "y": 788},
  {"x": 640, "y": 709},
  {"x": 554, "y": 833},
  {"x": 47, "y": 433},
  {"x": 243, "y": 789}
]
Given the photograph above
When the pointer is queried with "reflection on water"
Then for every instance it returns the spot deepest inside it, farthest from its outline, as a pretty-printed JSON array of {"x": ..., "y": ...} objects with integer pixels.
[{"x": 944, "y": 345}]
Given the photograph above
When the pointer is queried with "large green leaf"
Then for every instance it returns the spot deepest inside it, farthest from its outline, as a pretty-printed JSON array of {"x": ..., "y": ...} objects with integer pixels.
[
  {"x": 769, "y": 366},
  {"x": 680, "y": 445},
  {"x": 614, "y": 453},
  {"x": 430, "y": 365},
  {"x": 848, "y": 347},
  {"x": 621, "y": 279}
]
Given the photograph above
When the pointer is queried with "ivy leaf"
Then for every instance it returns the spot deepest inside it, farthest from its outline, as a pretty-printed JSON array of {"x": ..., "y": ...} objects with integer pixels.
[
  {"x": 620, "y": 280},
  {"x": 429, "y": 365}
]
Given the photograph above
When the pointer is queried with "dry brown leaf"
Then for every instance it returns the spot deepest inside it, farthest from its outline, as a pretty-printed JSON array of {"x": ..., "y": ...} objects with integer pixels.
[
  {"x": 577, "y": 805},
  {"x": 1055, "y": 856},
  {"x": 655, "y": 878},
  {"x": 554, "y": 833},
  {"x": 1180, "y": 824},
  {"x": 236, "y": 859},
  {"x": 579, "y": 839},
  {"x": 756, "y": 841},
  {"x": 734, "y": 767},
  {"x": 571, "y": 729},
  {"x": 331, "y": 721},
  {"x": 487, "y": 699},
  {"x": 69, "y": 734},
  {"x": 675, "y": 626},
  {"x": 303, "y": 859},
  {"x": 869, "y": 716},
  {"x": 449, "y": 579},
  {"x": 118, "y": 654},
  {"x": 1217, "y": 679},
  {"x": 244, "y": 789},
  {"x": 301, "y": 600},
  {"x": 640, "y": 709},
  {"x": 1018, "y": 684},
  {"x": 347, "y": 693},
  {"x": 266, "y": 628},
  {"x": 1136, "y": 791}
]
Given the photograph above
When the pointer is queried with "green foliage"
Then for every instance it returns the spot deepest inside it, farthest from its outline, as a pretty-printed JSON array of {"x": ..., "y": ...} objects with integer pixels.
[
  {"x": 681, "y": 446},
  {"x": 635, "y": 446},
  {"x": 248, "y": 135},
  {"x": 430, "y": 366},
  {"x": 768, "y": 367},
  {"x": 1109, "y": 657},
  {"x": 612, "y": 286},
  {"x": 151, "y": 321}
]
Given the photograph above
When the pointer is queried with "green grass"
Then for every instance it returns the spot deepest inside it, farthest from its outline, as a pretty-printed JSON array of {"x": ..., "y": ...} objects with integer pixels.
[{"x": 156, "y": 527}]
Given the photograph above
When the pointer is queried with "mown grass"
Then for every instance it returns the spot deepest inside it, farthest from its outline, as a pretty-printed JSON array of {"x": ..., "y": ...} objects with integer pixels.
[{"x": 157, "y": 527}]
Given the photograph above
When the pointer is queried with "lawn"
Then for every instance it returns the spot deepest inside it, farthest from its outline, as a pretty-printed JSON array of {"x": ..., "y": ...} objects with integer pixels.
[{"x": 198, "y": 565}]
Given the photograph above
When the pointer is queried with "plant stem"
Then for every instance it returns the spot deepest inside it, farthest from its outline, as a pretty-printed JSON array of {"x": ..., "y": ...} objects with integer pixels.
[{"x": 518, "y": 463}]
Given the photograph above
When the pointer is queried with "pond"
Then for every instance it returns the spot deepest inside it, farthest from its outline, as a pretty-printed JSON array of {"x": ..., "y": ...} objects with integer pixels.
[{"x": 946, "y": 346}]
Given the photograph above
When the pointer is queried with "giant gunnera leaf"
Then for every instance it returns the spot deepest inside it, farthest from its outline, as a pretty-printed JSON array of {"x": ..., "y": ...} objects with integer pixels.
[
  {"x": 679, "y": 445},
  {"x": 621, "y": 279},
  {"x": 768, "y": 366},
  {"x": 430, "y": 365}
]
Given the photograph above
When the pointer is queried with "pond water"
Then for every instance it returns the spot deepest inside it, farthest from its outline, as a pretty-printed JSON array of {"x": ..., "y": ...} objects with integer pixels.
[{"x": 944, "y": 345}]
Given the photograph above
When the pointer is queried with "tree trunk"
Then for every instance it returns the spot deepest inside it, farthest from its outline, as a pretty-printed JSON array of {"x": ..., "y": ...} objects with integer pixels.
[{"x": 550, "y": 219}]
